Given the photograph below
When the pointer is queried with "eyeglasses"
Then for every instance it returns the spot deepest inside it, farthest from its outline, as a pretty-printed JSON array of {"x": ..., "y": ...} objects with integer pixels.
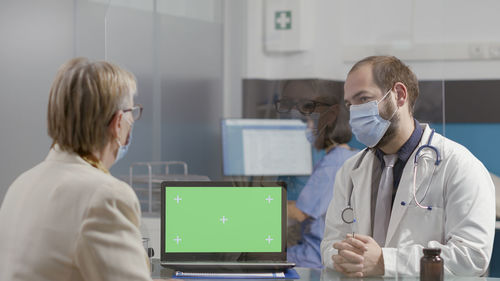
[
  {"x": 305, "y": 107},
  {"x": 136, "y": 111}
]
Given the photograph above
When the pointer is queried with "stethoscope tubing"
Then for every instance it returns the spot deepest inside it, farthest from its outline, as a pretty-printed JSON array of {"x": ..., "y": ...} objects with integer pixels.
[{"x": 349, "y": 210}]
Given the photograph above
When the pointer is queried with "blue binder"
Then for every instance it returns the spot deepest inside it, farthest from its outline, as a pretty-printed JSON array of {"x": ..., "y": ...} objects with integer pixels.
[{"x": 288, "y": 274}]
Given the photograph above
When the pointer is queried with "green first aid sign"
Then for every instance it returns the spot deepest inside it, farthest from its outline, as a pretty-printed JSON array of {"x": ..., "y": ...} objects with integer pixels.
[
  {"x": 283, "y": 20},
  {"x": 223, "y": 219}
]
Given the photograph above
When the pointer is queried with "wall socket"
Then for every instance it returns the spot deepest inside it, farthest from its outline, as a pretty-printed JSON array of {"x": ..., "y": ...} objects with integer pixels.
[
  {"x": 478, "y": 51},
  {"x": 484, "y": 51},
  {"x": 494, "y": 51}
]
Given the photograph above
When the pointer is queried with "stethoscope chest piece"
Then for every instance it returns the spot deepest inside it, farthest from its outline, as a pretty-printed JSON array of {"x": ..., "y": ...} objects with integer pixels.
[{"x": 348, "y": 215}]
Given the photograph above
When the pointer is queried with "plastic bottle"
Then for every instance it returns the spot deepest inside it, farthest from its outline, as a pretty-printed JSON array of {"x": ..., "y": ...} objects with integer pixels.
[{"x": 431, "y": 265}]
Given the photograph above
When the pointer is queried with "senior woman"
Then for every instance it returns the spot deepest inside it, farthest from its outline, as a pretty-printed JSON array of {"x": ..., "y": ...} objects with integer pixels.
[{"x": 68, "y": 218}]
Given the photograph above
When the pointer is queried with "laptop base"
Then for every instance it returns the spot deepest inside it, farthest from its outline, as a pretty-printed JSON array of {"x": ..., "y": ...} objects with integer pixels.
[{"x": 260, "y": 266}]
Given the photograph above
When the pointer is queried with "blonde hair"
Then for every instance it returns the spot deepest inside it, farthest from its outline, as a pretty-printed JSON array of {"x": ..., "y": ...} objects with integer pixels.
[{"x": 83, "y": 100}]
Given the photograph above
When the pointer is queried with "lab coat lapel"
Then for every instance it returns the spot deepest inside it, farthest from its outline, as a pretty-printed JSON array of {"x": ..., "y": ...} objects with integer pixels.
[
  {"x": 361, "y": 194},
  {"x": 404, "y": 195}
]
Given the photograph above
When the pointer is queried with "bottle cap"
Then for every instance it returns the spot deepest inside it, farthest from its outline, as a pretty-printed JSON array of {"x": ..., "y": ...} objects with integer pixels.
[{"x": 432, "y": 251}]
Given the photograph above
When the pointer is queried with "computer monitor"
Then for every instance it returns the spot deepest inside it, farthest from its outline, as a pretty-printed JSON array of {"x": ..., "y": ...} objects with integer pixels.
[{"x": 265, "y": 147}]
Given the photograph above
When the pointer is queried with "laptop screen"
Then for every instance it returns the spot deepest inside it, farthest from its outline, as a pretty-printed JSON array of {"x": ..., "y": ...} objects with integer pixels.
[{"x": 219, "y": 219}]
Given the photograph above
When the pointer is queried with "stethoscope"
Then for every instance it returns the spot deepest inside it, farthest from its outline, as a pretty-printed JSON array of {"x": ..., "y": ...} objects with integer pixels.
[{"x": 348, "y": 212}]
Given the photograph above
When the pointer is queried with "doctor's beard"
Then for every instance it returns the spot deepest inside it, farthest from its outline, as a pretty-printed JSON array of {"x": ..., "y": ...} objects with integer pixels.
[{"x": 390, "y": 134}]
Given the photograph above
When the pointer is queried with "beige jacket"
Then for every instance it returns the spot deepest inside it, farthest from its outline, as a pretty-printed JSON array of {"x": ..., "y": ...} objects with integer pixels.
[{"x": 66, "y": 220}]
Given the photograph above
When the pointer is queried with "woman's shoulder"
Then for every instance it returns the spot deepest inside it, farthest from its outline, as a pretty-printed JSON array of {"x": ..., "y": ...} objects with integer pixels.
[
  {"x": 110, "y": 186},
  {"x": 95, "y": 184}
]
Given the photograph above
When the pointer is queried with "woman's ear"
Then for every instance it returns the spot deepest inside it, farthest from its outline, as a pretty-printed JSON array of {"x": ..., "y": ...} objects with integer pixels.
[{"x": 115, "y": 124}]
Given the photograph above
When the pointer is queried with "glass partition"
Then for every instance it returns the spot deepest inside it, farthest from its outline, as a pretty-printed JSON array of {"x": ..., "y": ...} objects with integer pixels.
[
  {"x": 203, "y": 64},
  {"x": 199, "y": 62},
  {"x": 175, "y": 49},
  {"x": 182, "y": 52}
]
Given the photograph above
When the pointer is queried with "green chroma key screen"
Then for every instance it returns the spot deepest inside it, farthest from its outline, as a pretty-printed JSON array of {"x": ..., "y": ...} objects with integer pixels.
[{"x": 223, "y": 219}]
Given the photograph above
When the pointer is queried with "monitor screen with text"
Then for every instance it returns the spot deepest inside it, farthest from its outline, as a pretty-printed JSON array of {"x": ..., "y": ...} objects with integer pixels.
[{"x": 265, "y": 147}]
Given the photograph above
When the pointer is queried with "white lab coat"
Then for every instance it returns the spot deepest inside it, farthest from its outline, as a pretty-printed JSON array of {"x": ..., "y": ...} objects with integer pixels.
[
  {"x": 461, "y": 222},
  {"x": 66, "y": 220}
]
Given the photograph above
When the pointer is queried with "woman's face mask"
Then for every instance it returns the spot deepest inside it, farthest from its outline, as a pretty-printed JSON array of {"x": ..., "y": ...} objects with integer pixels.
[
  {"x": 367, "y": 124},
  {"x": 123, "y": 149},
  {"x": 312, "y": 127}
]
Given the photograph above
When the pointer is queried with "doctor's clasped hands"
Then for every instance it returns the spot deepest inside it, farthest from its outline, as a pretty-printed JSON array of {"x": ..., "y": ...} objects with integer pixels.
[{"x": 358, "y": 256}]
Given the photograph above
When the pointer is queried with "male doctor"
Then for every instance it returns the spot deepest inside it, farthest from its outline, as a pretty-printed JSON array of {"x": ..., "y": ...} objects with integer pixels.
[{"x": 452, "y": 208}]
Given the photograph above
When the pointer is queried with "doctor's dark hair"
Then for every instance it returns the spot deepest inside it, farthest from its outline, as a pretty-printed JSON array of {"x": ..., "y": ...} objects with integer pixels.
[
  {"x": 339, "y": 131},
  {"x": 388, "y": 70},
  {"x": 83, "y": 99}
]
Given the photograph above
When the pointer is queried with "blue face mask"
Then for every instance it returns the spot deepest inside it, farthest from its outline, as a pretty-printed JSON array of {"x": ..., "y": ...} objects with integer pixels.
[
  {"x": 367, "y": 124},
  {"x": 123, "y": 149},
  {"x": 311, "y": 138},
  {"x": 312, "y": 128}
]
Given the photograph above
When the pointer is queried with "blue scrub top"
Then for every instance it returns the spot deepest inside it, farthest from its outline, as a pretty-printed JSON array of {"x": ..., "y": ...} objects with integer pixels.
[
  {"x": 313, "y": 201},
  {"x": 295, "y": 184}
]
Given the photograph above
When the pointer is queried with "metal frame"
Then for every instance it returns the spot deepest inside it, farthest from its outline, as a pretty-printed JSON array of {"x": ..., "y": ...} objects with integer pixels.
[{"x": 150, "y": 166}]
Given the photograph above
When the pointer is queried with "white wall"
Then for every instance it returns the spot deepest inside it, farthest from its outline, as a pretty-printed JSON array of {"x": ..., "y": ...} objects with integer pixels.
[
  {"x": 36, "y": 38},
  {"x": 464, "y": 34}
]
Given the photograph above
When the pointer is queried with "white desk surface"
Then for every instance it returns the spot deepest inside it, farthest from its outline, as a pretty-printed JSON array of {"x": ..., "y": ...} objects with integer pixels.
[{"x": 313, "y": 274}]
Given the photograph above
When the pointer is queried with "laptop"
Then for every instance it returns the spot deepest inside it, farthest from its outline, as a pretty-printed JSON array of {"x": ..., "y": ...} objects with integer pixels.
[{"x": 223, "y": 226}]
